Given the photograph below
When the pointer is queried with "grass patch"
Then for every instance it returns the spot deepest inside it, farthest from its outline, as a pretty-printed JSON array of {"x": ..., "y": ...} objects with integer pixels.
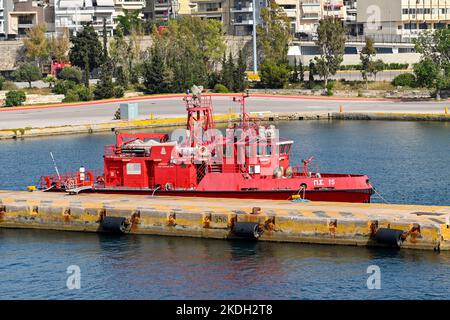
[{"x": 43, "y": 91}]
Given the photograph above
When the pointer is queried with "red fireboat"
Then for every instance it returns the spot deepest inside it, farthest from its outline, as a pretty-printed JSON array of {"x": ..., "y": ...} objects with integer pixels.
[{"x": 250, "y": 161}]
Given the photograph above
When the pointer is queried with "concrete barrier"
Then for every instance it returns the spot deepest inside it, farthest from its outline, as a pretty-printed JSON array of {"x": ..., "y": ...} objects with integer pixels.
[{"x": 420, "y": 227}]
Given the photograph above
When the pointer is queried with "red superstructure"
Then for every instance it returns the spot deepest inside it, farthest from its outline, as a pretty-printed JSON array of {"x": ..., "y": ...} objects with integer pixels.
[{"x": 248, "y": 161}]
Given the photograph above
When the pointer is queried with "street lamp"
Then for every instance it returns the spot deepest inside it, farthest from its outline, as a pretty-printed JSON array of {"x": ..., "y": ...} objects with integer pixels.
[{"x": 255, "y": 63}]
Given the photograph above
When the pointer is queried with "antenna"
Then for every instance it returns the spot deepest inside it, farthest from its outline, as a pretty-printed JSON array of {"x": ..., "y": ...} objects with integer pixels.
[{"x": 54, "y": 164}]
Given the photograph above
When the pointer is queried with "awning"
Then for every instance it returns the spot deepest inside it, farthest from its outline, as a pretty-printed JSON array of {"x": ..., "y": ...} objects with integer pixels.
[
  {"x": 105, "y": 3},
  {"x": 71, "y": 4}
]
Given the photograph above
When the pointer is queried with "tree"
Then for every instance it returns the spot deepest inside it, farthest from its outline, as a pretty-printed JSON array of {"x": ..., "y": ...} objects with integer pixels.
[
  {"x": 105, "y": 41},
  {"x": 301, "y": 71},
  {"x": 36, "y": 45},
  {"x": 294, "y": 74},
  {"x": 378, "y": 65},
  {"x": 239, "y": 72},
  {"x": 85, "y": 45},
  {"x": 274, "y": 75},
  {"x": 433, "y": 70},
  {"x": 312, "y": 72},
  {"x": 273, "y": 34},
  {"x": 154, "y": 72},
  {"x": 27, "y": 72},
  {"x": 429, "y": 75},
  {"x": 366, "y": 55},
  {"x": 72, "y": 74},
  {"x": 229, "y": 68},
  {"x": 87, "y": 68},
  {"x": 105, "y": 87},
  {"x": 128, "y": 21},
  {"x": 331, "y": 43},
  {"x": 119, "y": 54},
  {"x": 59, "y": 46}
]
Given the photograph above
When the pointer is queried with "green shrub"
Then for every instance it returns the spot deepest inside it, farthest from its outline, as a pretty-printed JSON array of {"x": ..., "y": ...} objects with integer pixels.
[
  {"x": 220, "y": 88},
  {"x": 71, "y": 74},
  {"x": 404, "y": 80},
  {"x": 274, "y": 75},
  {"x": 78, "y": 93},
  {"x": 118, "y": 91},
  {"x": 15, "y": 98},
  {"x": 63, "y": 86},
  {"x": 2, "y": 81},
  {"x": 50, "y": 79},
  {"x": 330, "y": 86},
  {"x": 84, "y": 93},
  {"x": 71, "y": 96},
  {"x": 396, "y": 66}
]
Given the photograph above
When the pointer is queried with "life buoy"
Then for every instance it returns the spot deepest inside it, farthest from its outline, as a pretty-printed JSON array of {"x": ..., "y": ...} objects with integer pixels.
[{"x": 203, "y": 151}]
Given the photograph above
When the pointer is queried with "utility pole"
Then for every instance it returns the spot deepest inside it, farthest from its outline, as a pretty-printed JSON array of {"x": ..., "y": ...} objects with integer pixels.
[{"x": 255, "y": 62}]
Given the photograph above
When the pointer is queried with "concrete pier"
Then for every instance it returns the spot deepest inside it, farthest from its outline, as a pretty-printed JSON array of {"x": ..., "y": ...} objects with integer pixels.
[{"x": 420, "y": 226}]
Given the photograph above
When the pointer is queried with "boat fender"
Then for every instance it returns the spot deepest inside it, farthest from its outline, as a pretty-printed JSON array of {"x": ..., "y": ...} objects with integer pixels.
[
  {"x": 114, "y": 224},
  {"x": 100, "y": 180},
  {"x": 289, "y": 172},
  {"x": 391, "y": 237},
  {"x": 278, "y": 172},
  {"x": 247, "y": 230},
  {"x": 168, "y": 186}
]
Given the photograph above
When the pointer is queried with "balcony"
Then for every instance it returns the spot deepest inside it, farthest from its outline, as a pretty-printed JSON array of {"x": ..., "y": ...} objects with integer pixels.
[
  {"x": 242, "y": 22},
  {"x": 208, "y": 11},
  {"x": 242, "y": 9},
  {"x": 310, "y": 17},
  {"x": 131, "y": 4},
  {"x": 193, "y": 2}
]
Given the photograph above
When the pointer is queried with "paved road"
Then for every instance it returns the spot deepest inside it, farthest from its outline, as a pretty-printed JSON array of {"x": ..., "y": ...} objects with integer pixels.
[{"x": 173, "y": 107}]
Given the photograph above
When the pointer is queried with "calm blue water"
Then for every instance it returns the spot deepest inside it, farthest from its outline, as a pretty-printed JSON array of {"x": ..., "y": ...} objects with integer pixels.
[{"x": 408, "y": 162}]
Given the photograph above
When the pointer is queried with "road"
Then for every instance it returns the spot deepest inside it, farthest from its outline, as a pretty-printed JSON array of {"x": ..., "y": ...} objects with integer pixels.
[{"x": 173, "y": 107}]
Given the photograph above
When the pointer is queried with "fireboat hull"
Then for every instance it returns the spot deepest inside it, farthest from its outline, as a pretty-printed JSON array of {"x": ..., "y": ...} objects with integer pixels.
[{"x": 355, "y": 195}]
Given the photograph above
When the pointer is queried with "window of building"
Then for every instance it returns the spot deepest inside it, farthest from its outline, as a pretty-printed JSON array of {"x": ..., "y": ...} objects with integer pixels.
[
  {"x": 410, "y": 26},
  {"x": 383, "y": 50},
  {"x": 423, "y": 26}
]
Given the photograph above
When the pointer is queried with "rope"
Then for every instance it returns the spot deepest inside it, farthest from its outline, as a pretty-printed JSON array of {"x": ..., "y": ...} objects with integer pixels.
[
  {"x": 381, "y": 197},
  {"x": 154, "y": 190}
]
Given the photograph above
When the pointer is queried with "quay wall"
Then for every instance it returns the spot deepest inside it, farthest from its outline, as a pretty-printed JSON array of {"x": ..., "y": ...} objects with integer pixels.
[
  {"x": 169, "y": 122},
  {"x": 422, "y": 227}
]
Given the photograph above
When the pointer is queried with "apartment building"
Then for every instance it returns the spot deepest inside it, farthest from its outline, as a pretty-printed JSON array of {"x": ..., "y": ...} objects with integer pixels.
[
  {"x": 241, "y": 16},
  {"x": 160, "y": 11},
  {"x": 292, "y": 10},
  {"x": 74, "y": 14},
  {"x": 3, "y": 9},
  {"x": 211, "y": 9},
  {"x": 403, "y": 18},
  {"x": 312, "y": 11},
  {"x": 18, "y": 16}
]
